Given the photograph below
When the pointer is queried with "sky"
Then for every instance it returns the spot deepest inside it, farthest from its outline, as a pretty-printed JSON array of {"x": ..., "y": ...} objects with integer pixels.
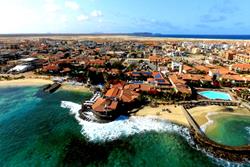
[{"x": 125, "y": 16}]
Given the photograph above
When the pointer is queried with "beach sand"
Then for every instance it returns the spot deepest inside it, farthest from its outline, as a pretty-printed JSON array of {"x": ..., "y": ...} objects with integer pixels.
[
  {"x": 75, "y": 88},
  {"x": 38, "y": 82},
  {"x": 25, "y": 82},
  {"x": 199, "y": 113},
  {"x": 175, "y": 116}
]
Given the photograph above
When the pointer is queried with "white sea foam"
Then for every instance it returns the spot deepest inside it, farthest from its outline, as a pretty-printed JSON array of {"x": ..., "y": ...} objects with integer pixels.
[
  {"x": 248, "y": 129},
  {"x": 124, "y": 126}
]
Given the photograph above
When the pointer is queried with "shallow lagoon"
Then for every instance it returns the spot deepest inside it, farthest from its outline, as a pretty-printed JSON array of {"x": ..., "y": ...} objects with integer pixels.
[{"x": 228, "y": 129}]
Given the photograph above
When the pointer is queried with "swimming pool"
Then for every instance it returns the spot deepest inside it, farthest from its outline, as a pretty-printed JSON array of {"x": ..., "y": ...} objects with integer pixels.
[{"x": 215, "y": 95}]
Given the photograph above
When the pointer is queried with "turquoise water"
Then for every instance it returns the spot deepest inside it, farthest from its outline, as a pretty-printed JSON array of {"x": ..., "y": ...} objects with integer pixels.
[
  {"x": 33, "y": 130},
  {"x": 37, "y": 131},
  {"x": 215, "y": 95},
  {"x": 233, "y": 130}
]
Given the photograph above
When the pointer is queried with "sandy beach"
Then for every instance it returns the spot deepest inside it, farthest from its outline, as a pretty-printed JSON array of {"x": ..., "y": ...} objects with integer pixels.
[
  {"x": 40, "y": 82},
  {"x": 199, "y": 113},
  {"x": 175, "y": 116},
  {"x": 75, "y": 88},
  {"x": 25, "y": 82}
]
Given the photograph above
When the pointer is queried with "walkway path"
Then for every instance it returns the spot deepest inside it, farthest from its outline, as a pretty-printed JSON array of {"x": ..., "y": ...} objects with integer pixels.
[{"x": 192, "y": 122}]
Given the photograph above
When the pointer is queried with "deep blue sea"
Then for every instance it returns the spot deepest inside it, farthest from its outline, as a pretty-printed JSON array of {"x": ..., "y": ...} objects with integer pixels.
[
  {"x": 233, "y": 37},
  {"x": 142, "y": 34}
]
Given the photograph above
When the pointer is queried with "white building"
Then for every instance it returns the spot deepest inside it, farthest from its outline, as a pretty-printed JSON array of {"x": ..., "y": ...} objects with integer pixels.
[{"x": 20, "y": 68}]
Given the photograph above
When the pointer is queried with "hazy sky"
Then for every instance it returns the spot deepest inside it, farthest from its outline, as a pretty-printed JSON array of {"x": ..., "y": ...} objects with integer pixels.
[{"x": 123, "y": 16}]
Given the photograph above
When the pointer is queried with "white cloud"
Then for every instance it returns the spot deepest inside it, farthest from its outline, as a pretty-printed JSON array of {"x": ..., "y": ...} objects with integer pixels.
[
  {"x": 17, "y": 17},
  {"x": 51, "y": 6},
  {"x": 82, "y": 17},
  {"x": 72, "y": 5},
  {"x": 96, "y": 13}
]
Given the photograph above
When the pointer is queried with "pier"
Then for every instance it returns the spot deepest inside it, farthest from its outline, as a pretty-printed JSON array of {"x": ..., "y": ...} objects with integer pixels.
[
  {"x": 52, "y": 87},
  {"x": 192, "y": 122},
  {"x": 233, "y": 153}
]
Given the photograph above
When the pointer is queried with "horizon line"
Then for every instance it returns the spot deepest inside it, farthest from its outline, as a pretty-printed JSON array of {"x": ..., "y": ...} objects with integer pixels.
[{"x": 132, "y": 33}]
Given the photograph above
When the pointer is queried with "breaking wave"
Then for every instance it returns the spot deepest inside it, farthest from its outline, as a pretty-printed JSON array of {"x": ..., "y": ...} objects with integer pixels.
[
  {"x": 248, "y": 129},
  {"x": 124, "y": 126}
]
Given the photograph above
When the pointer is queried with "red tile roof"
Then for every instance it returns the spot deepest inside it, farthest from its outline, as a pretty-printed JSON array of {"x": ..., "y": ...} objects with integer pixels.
[
  {"x": 132, "y": 86},
  {"x": 155, "y": 58},
  {"x": 202, "y": 68},
  {"x": 120, "y": 84},
  {"x": 242, "y": 66},
  {"x": 102, "y": 105},
  {"x": 176, "y": 80},
  {"x": 96, "y": 62},
  {"x": 125, "y": 95},
  {"x": 150, "y": 79},
  {"x": 187, "y": 68},
  {"x": 113, "y": 92},
  {"x": 99, "y": 105},
  {"x": 145, "y": 88},
  {"x": 129, "y": 96},
  {"x": 195, "y": 77},
  {"x": 234, "y": 77},
  {"x": 51, "y": 67},
  {"x": 184, "y": 89}
]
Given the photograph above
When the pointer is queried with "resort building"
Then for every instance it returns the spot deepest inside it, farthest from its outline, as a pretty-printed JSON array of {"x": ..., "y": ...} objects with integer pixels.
[
  {"x": 242, "y": 68},
  {"x": 229, "y": 55},
  {"x": 179, "y": 85},
  {"x": 155, "y": 59},
  {"x": 118, "y": 97},
  {"x": 187, "y": 69},
  {"x": 175, "y": 66},
  {"x": 105, "y": 105},
  {"x": 234, "y": 79}
]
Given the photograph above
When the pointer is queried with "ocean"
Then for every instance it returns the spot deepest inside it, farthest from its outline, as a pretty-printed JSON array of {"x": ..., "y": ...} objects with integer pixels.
[
  {"x": 46, "y": 131},
  {"x": 142, "y": 34},
  {"x": 196, "y": 36}
]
